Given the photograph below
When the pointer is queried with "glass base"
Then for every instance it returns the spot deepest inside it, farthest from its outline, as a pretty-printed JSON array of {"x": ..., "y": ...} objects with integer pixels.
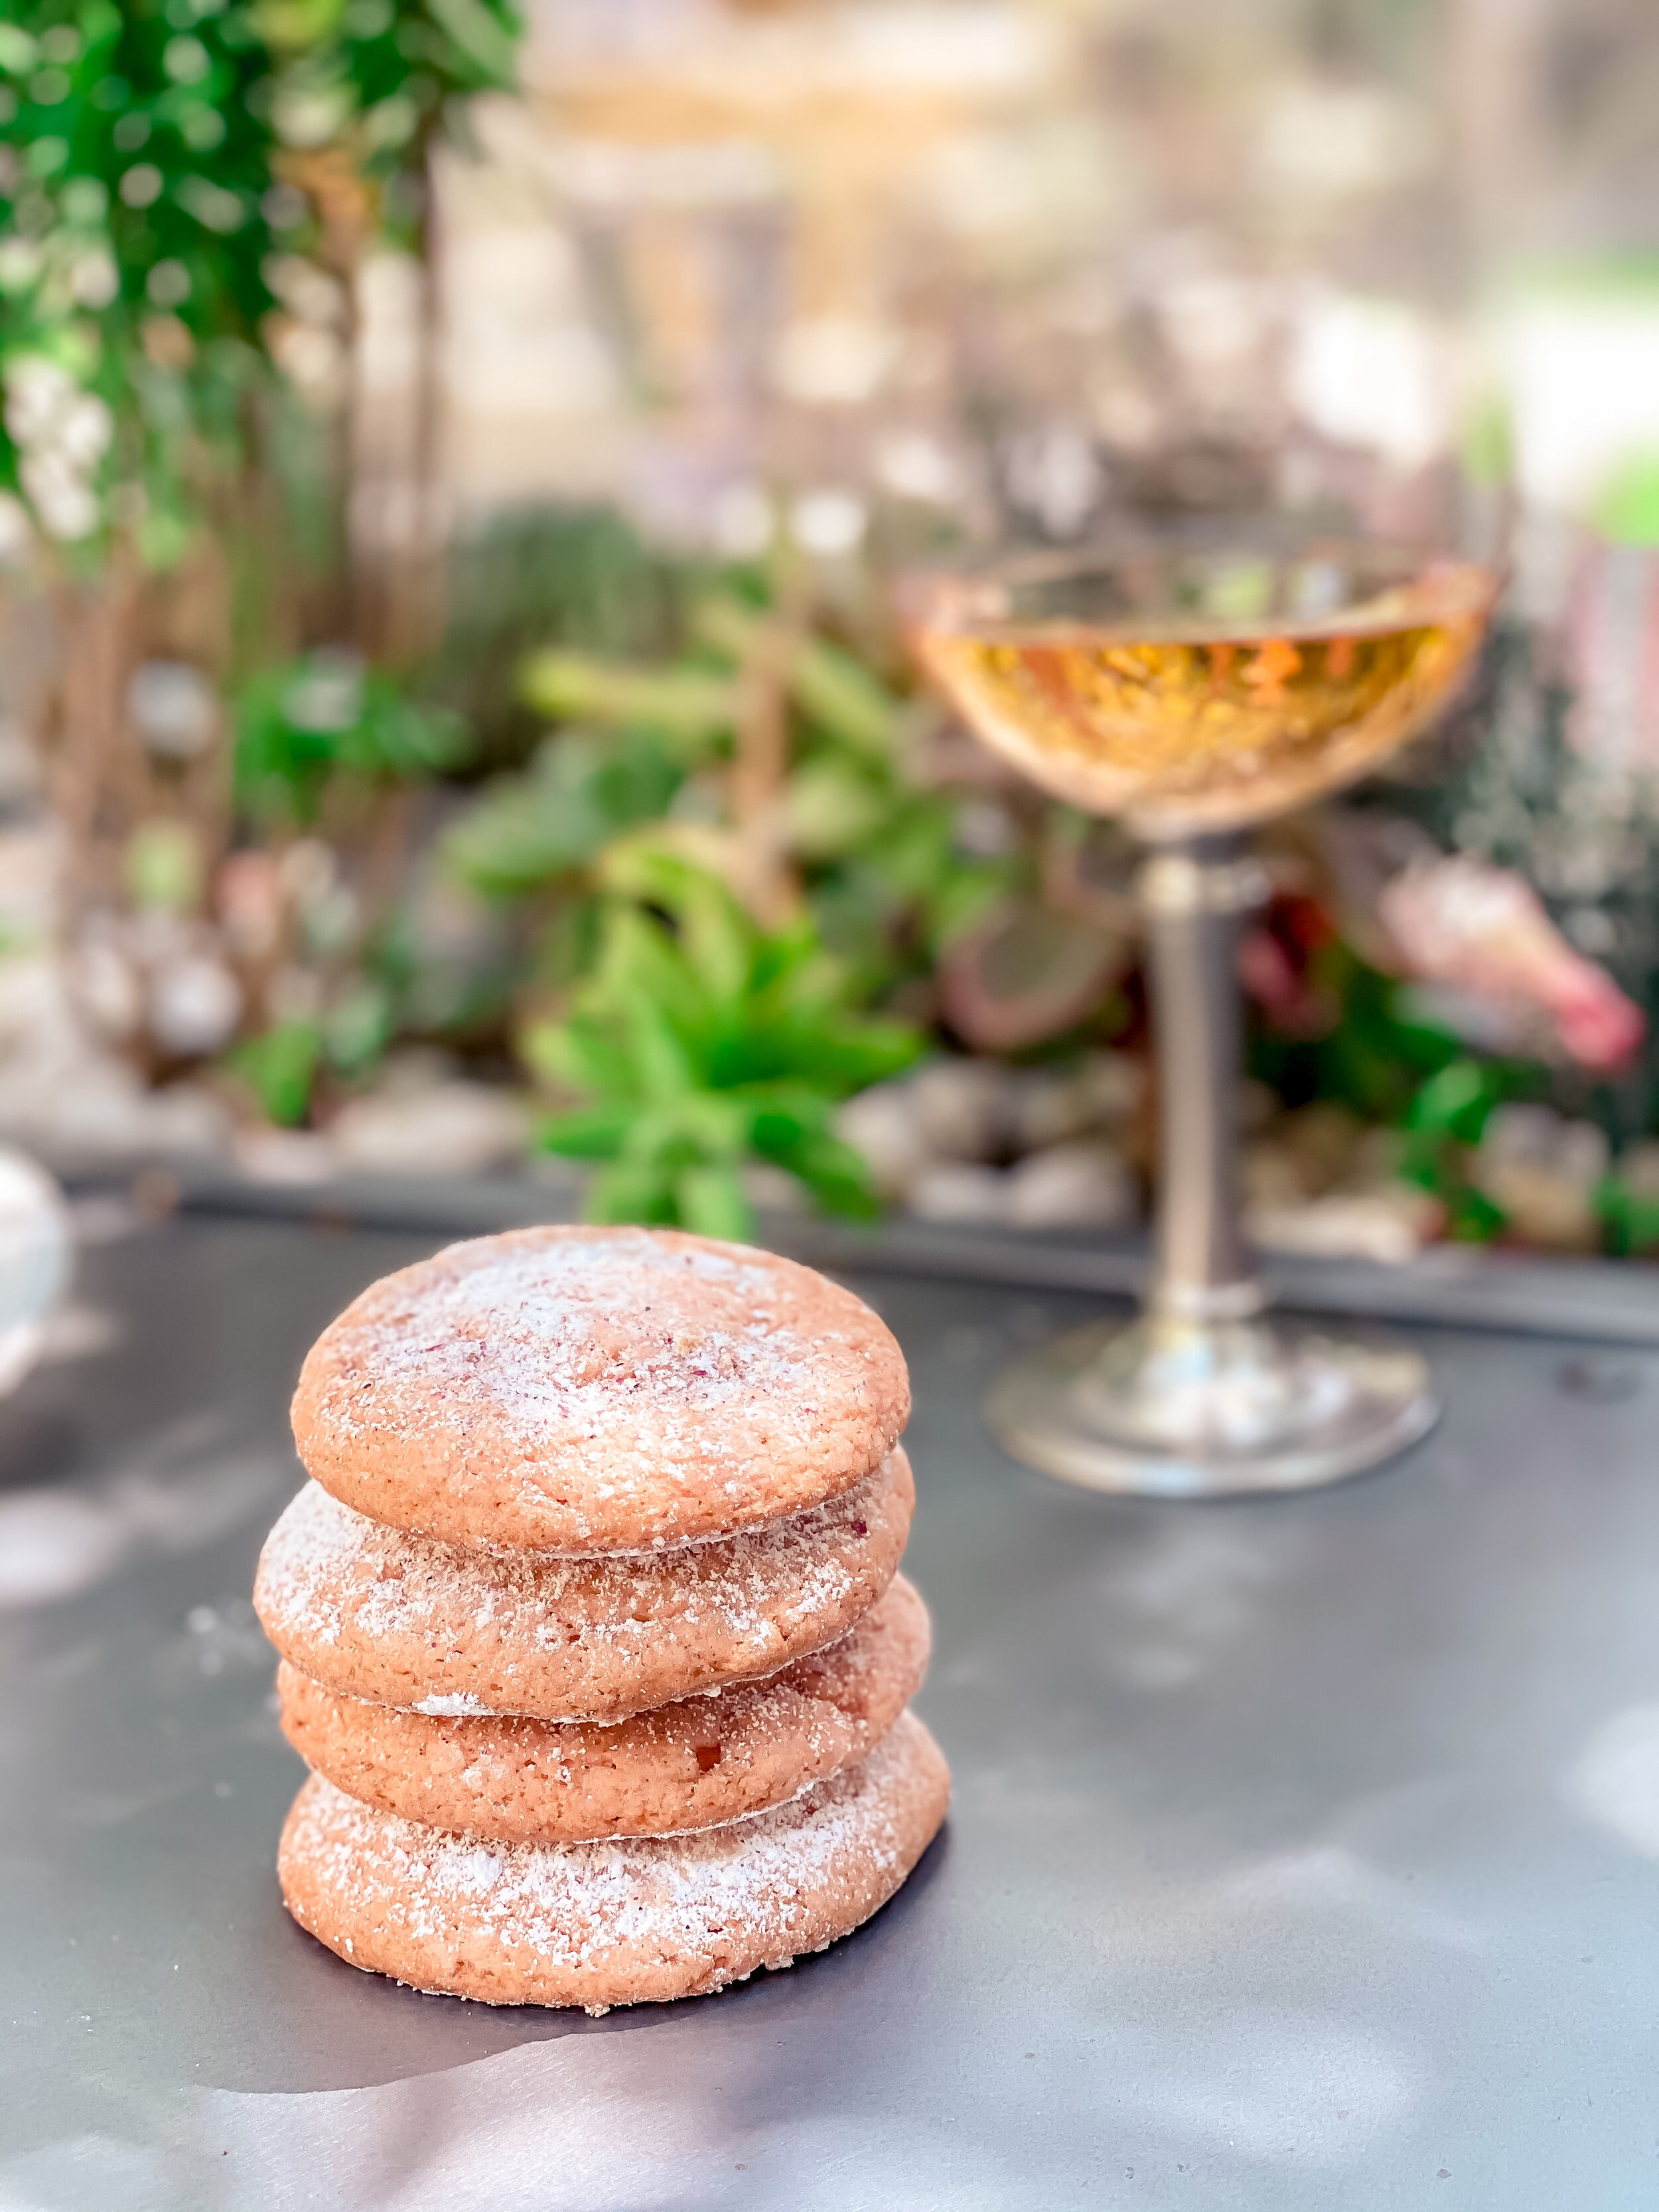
[{"x": 1167, "y": 1408}]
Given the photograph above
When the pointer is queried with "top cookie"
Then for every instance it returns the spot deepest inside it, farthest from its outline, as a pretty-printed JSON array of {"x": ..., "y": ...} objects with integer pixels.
[{"x": 585, "y": 1389}]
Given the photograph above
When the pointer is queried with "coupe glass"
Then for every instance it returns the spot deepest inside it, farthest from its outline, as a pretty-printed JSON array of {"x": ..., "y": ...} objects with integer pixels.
[{"x": 1193, "y": 690}]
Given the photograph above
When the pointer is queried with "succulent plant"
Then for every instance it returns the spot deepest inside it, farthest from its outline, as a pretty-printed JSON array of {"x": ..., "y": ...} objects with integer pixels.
[{"x": 701, "y": 1043}]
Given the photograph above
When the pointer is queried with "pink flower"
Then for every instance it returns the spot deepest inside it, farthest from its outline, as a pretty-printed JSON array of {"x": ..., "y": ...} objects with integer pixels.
[
  {"x": 250, "y": 902},
  {"x": 1595, "y": 1022},
  {"x": 1459, "y": 922}
]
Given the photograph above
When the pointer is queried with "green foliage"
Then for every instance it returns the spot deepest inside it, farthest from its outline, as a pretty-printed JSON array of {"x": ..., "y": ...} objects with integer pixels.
[
  {"x": 280, "y": 1067},
  {"x": 835, "y": 693},
  {"x": 162, "y": 867},
  {"x": 136, "y": 161},
  {"x": 1390, "y": 1068},
  {"x": 1517, "y": 784},
  {"x": 885, "y": 878},
  {"x": 1376, "y": 1059},
  {"x": 378, "y": 78},
  {"x": 900, "y": 893},
  {"x": 700, "y": 1042},
  {"x": 543, "y": 576},
  {"x": 687, "y": 706},
  {"x": 1629, "y": 1218},
  {"x": 327, "y": 715},
  {"x": 1446, "y": 1120},
  {"x": 144, "y": 154},
  {"x": 1627, "y": 511},
  {"x": 528, "y": 830},
  {"x": 359, "y": 1026}
]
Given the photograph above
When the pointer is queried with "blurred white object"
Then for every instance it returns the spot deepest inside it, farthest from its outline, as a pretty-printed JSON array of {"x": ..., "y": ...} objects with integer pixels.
[
  {"x": 1614, "y": 1781},
  {"x": 773, "y": 1189},
  {"x": 833, "y": 359},
  {"x": 1581, "y": 372},
  {"x": 1371, "y": 373},
  {"x": 965, "y": 1108},
  {"x": 453, "y": 1128},
  {"x": 195, "y": 1004},
  {"x": 882, "y": 1123},
  {"x": 1335, "y": 141},
  {"x": 1390, "y": 1226},
  {"x": 35, "y": 1260},
  {"x": 1543, "y": 1171},
  {"x": 52, "y": 1545},
  {"x": 829, "y": 522},
  {"x": 962, "y": 1191},
  {"x": 1078, "y": 1185},
  {"x": 174, "y": 709},
  {"x": 297, "y": 1157},
  {"x": 63, "y": 1094},
  {"x": 16, "y": 530},
  {"x": 1539, "y": 1137}
]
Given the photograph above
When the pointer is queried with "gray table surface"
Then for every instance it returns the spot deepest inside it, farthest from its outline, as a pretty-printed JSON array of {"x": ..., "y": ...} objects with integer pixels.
[{"x": 1303, "y": 1853}]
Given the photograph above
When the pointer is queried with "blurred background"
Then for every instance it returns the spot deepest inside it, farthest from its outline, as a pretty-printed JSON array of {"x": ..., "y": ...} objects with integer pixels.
[{"x": 456, "y": 467}]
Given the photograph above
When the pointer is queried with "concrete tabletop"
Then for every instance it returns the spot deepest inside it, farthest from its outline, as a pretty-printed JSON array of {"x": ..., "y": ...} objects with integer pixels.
[{"x": 1304, "y": 1853}]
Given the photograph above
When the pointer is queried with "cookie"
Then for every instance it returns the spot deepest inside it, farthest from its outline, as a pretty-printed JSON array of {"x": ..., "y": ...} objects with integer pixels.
[
  {"x": 693, "y": 1765},
  {"x": 611, "y": 1923},
  {"x": 450, "y": 1629},
  {"x": 586, "y": 1389}
]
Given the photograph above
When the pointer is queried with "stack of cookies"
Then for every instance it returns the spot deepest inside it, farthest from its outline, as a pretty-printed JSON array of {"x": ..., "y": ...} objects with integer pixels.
[{"x": 590, "y": 1625}]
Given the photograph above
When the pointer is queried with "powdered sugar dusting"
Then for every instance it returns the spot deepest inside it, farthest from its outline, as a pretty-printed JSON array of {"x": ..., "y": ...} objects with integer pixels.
[
  {"x": 596, "y": 1390},
  {"x": 686, "y": 1765},
  {"x": 543, "y": 1333},
  {"x": 715, "y": 1904},
  {"x": 381, "y": 1613}
]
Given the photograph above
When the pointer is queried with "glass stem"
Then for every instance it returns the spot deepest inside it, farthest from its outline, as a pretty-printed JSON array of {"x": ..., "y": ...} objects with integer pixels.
[{"x": 1195, "y": 895}]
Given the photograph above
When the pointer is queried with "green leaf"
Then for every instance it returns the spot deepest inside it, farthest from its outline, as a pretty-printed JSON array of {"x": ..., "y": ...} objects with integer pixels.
[
  {"x": 579, "y": 1054},
  {"x": 1457, "y": 1102},
  {"x": 593, "y": 1133},
  {"x": 717, "y": 941},
  {"x": 783, "y": 1114},
  {"x": 528, "y": 830},
  {"x": 359, "y": 1027},
  {"x": 710, "y": 1201},
  {"x": 701, "y": 1040},
  {"x": 846, "y": 701},
  {"x": 1475, "y": 1218},
  {"x": 639, "y": 958},
  {"x": 280, "y": 1067},
  {"x": 300, "y": 726},
  {"x": 488, "y": 43},
  {"x": 697, "y": 1127},
  {"x": 685, "y": 706},
  {"x": 833, "y": 808},
  {"x": 1627, "y": 510},
  {"x": 162, "y": 866},
  {"x": 1630, "y": 1217},
  {"x": 629, "y": 1192},
  {"x": 661, "y": 1065},
  {"x": 834, "y": 1173},
  {"x": 834, "y": 689}
]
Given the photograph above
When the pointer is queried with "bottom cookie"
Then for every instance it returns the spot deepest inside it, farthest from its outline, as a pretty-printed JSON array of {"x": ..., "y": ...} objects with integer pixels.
[{"x": 612, "y": 1923}]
